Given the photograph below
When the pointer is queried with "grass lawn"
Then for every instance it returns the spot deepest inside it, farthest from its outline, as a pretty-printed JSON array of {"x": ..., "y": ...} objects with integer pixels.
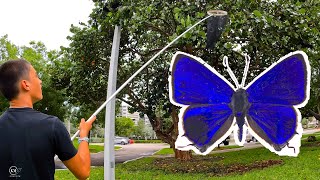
[
  {"x": 317, "y": 135},
  {"x": 94, "y": 148},
  {"x": 257, "y": 163}
]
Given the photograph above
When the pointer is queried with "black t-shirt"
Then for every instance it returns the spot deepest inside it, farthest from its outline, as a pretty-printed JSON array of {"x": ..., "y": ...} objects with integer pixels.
[{"x": 29, "y": 140}]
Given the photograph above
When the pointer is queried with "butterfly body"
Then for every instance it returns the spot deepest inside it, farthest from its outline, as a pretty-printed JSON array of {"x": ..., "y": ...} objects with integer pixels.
[
  {"x": 240, "y": 105},
  {"x": 212, "y": 108}
]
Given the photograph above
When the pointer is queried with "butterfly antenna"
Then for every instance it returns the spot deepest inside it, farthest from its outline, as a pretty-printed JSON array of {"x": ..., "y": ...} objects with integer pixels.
[
  {"x": 233, "y": 77},
  {"x": 246, "y": 68}
]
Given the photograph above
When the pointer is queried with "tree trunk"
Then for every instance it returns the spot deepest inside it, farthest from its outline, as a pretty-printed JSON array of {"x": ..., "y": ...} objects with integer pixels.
[
  {"x": 317, "y": 116},
  {"x": 170, "y": 135},
  {"x": 182, "y": 155},
  {"x": 318, "y": 120}
]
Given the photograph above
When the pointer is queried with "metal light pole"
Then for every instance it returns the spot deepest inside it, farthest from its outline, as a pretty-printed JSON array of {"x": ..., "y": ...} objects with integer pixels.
[{"x": 109, "y": 159}]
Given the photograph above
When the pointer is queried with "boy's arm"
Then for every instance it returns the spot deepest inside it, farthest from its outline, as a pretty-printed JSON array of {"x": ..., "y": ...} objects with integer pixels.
[{"x": 79, "y": 165}]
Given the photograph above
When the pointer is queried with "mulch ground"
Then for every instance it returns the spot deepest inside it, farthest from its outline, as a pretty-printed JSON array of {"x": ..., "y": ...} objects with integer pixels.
[
  {"x": 209, "y": 165},
  {"x": 312, "y": 144}
]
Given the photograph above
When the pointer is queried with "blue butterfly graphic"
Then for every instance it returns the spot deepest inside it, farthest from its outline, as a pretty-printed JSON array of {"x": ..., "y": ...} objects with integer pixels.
[{"x": 267, "y": 107}]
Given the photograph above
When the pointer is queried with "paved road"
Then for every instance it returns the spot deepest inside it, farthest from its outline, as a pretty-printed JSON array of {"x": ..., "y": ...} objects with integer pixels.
[
  {"x": 127, "y": 153},
  {"x": 311, "y": 131}
]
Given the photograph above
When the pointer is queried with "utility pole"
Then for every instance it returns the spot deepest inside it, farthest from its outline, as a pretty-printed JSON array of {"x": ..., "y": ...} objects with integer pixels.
[{"x": 109, "y": 159}]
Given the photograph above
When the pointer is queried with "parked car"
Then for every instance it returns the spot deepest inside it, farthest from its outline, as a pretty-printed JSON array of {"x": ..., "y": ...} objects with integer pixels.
[
  {"x": 250, "y": 138},
  {"x": 253, "y": 139},
  {"x": 121, "y": 140},
  {"x": 225, "y": 142}
]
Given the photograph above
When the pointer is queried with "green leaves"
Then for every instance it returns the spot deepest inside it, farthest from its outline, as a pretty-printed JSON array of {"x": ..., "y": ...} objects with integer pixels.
[
  {"x": 257, "y": 13},
  {"x": 37, "y": 54},
  {"x": 124, "y": 126},
  {"x": 302, "y": 11},
  {"x": 7, "y": 49}
]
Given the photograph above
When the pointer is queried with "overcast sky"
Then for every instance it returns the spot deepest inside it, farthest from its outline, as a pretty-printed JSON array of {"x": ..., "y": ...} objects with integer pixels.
[{"x": 42, "y": 20}]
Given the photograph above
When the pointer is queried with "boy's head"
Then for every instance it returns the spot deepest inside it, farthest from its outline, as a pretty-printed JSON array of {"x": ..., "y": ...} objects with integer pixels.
[{"x": 18, "y": 76}]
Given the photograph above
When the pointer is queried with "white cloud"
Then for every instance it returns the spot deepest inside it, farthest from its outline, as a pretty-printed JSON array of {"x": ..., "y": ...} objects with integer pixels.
[{"x": 42, "y": 20}]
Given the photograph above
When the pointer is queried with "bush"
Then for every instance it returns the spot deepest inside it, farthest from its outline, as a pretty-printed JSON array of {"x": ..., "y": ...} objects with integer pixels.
[{"x": 96, "y": 140}]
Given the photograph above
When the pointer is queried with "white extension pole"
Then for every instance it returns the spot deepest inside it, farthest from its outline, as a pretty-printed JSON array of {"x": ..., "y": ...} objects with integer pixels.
[
  {"x": 137, "y": 72},
  {"x": 109, "y": 129},
  {"x": 211, "y": 13}
]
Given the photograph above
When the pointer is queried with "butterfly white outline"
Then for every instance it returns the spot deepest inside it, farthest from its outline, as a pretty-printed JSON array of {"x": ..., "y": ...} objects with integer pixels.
[{"x": 183, "y": 143}]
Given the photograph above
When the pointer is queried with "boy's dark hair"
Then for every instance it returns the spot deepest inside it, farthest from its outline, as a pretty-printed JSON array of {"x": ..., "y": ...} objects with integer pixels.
[{"x": 11, "y": 72}]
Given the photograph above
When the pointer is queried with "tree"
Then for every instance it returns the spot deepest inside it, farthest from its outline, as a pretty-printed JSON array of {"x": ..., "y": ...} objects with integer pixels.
[
  {"x": 266, "y": 30},
  {"x": 37, "y": 54},
  {"x": 123, "y": 126},
  {"x": 7, "y": 51},
  {"x": 139, "y": 130}
]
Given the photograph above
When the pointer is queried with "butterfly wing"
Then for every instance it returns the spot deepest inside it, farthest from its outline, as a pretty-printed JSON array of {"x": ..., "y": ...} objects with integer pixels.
[
  {"x": 275, "y": 95},
  {"x": 274, "y": 126},
  {"x": 204, "y": 126},
  {"x": 192, "y": 81},
  {"x": 205, "y": 118},
  {"x": 286, "y": 82}
]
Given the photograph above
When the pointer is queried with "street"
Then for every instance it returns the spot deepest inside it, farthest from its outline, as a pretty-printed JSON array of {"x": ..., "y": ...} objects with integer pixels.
[{"x": 128, "y": 152}]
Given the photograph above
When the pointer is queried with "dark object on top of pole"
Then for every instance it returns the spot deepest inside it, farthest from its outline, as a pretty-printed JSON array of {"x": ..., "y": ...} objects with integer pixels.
[{"x": 215, "y": 26}]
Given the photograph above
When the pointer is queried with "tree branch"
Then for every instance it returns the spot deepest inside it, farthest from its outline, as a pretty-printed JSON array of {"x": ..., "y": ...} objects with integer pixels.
[
  {"x": 135, "y": 99},
  {"x": 126, "y": 101},
  {"x": 170, "y": 129},
  {"x": 164, "y": 21},
  {"x": 154, "y": 51},
  {"x": 90, "y": 98},
  {"x": 155, "y": 28},
  {"x": 317, "y": 116}
]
